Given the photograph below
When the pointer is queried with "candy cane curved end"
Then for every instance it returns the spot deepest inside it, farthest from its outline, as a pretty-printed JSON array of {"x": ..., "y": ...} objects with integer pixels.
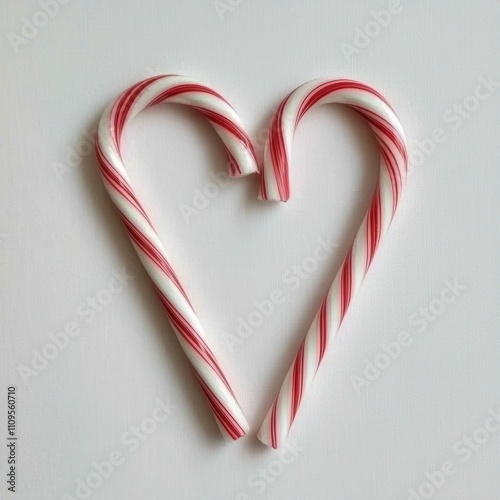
[
  {"x": 242, "y": 161},
  {"x": 275, "y": 185}
]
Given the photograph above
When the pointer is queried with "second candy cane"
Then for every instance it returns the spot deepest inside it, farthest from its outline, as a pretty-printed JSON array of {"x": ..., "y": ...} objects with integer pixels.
[{"x": 275, "y": 186}]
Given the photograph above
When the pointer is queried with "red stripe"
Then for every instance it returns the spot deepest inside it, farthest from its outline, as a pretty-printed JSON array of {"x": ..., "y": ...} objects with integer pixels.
[
  {"x": 223, "y": 416},
  {"x": 297, "y": 382},
  {"x": 125, "y": 102},
  {"x": 153, "y": 253},
  {"x": 277, "y": 146},
  {"x": 323, "y": 328},
  {"x": 229, "y": 126},
  {"x": 374, "y": 228},
  {"x": 382, "y": 124},
  {"x": 394, "y": 176},
  {"x": 212, "y": 116},
  {"x": 183, "y": 88},
  {"x": 117, "y": 182},
  {"x": 274, "y": 426},
  {"x": 277, "y": 151},
  {"x": 190, "y": 335},
  {"x": 332, "y": 87},
  {"x": 346, "y": 285}
]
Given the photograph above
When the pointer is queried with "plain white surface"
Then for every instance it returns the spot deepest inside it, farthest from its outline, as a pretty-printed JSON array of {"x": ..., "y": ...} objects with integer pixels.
[{"x": 61, "y": 242}]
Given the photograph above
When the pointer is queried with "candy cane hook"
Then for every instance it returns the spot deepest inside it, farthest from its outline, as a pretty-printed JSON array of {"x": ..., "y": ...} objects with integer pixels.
[
  {"x": 275, "y": 186},
  {"x": 223, "y": 118}
]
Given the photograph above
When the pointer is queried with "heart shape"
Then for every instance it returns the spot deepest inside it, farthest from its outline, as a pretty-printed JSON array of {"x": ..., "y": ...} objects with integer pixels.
[{"x": 274, "y": 186}]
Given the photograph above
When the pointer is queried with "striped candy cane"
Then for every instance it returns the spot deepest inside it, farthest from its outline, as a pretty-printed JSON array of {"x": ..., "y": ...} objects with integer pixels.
[
  {"x": 218, "y": 112},
  {"x": 275, "y": 186}
]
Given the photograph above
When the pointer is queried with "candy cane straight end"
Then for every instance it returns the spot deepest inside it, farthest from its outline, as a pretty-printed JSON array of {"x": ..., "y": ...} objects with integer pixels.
[
  {"x": 274, "y": 180},
  {"x": 235, "y": 434},
  {"x": 381, "y": 118},
  {"x": 246, "y": 161},
  {"x": 264, "y": 438},
  {"x": 247, "y": 166},
  {"x": 230, "y": 438},
  {"x": 242, "y": 161},
  {"x": 277, "y": 197}
]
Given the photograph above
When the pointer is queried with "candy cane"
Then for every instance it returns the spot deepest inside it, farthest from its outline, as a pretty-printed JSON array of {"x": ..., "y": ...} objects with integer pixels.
[
  {"x": 223, "y": 118},
  {"x": 275, "y": 186}
]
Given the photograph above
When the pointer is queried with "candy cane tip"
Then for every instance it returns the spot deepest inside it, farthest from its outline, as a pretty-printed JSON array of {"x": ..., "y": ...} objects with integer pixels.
[
  {"x": 263, "y": 437},
  {"x": 231, "y": 438},
  {"x": 236, "y": 433},
  {"x": 270, "y": 189},
  {"x": 246, "y": 171},
  {"x": 245, "y": 427},
  {"x": 273, "y": 197},
  {"x": 244, "y": 166}
]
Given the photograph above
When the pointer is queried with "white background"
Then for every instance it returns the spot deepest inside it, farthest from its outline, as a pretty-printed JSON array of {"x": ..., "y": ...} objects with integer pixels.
[{"x": 61, "y": 242}]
